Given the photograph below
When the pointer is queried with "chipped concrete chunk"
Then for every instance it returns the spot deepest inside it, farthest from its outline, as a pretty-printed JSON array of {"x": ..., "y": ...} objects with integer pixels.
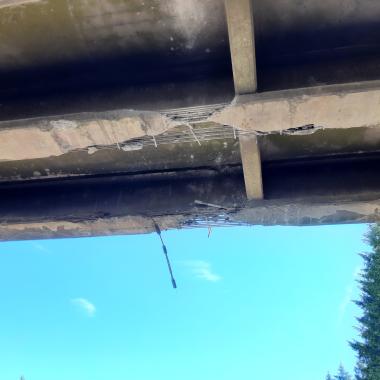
[{"x": 45, "y": 137}]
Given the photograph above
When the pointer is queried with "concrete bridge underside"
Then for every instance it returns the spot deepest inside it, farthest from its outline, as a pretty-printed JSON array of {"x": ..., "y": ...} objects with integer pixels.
[{"x": 115, "y": 114}]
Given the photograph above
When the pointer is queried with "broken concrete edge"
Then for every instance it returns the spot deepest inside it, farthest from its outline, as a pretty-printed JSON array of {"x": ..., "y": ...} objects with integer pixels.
[
  {"x": 56, "y": 135},
  {"x": 300, "y": 111},
  {"x": 126, "y": 225},
  {"x": 263, "y": 213}
]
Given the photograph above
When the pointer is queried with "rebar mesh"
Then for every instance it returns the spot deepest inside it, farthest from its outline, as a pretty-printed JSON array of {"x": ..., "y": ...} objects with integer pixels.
[{"x": 203, "y": 221}]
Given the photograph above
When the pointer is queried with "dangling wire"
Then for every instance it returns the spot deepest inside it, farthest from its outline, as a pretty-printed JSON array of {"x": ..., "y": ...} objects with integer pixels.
[{"x": 166, "y": 254}]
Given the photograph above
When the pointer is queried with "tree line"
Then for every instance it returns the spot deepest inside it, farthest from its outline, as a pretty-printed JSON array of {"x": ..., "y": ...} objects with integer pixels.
[{"x": 367, "y": 347}]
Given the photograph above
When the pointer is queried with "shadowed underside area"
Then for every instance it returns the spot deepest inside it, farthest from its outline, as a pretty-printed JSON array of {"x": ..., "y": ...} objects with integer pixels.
[{"x": 118, "y": 113}]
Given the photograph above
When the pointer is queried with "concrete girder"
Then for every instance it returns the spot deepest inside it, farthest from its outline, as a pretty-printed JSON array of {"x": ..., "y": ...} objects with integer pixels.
[
  {"x": 180, "y": 156},
  {"x": 286, "y": 214},
  {"x": 344, "y": 106},
  {"x": 329, "y": 107},
  {"x": 299, "y": 193}
]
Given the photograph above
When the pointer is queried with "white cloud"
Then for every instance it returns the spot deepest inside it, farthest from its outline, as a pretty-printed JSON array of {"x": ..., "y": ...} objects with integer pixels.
[
  {"x": 41, "y": 248},
  {"x": 202, "y": 269},
  {"x": 85, "y": 305},
  {"x": 357, "y": 272},
  {"x": 347, "y": 299},
  {"x": 345, "y": 302}
]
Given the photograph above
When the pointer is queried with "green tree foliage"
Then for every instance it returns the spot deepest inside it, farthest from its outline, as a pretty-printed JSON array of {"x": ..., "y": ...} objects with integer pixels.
[
  {"x": 342, "y": 374},
  {"x": 368, "y": 347}
]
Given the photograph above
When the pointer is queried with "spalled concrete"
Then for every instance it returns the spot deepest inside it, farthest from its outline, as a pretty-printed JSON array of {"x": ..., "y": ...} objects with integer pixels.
[
  {"x": 269, "y": 214},
  {"x": 344, "y": 191},
  {"x": 84, "y": 173},
  {"x": 329, "y": 107},
  {"x": 99, "y": 227},
  {"x": 45, "y": 137}
]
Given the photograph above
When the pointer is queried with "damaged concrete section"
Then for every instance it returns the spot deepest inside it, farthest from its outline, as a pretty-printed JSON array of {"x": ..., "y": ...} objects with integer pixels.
[
  {"x": 296, "y": 193},
  {"x": 301, "y": 111},
  {"x": 116, "y": 114},
  {"x": 99, "y": 227},
  {"x": 272, "y": 213},
  {"x": 46, "y": 137}
]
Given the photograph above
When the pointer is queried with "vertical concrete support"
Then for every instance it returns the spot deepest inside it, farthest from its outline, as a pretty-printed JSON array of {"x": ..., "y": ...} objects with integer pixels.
[
  {"x": 250, "y": 156},
  {"x": 242, "y": 44}
]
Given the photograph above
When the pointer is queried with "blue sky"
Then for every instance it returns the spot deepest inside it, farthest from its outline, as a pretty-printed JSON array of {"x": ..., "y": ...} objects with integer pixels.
[{"x": 252, "y": 303}]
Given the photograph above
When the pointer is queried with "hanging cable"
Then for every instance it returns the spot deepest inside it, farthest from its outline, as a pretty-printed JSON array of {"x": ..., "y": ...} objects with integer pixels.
[{"x": 166, "y": 254}]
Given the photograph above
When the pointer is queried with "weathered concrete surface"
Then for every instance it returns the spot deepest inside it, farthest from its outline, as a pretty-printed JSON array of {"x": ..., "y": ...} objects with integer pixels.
[
  {"x": 109, "y": 161},
  {"x": 83, "y": 48},
  {"x": 83, "y": 28},
  {"x": 323, "y": 142},
  {"x": 241, "y": 33},
  {"x": 99, "y": 227},
  {"x": 296, "y": 193},
  {"x": 266, "y": 213},
  {"x": 15, "y": 3},
  {"x": 341, "y": 106},
  {"x": 45, "y": 137},
  {"x": 310, "y": 213},
  {"x": 45, "y": 32},
  {"x": 95, "y": 45},
  {"x": 251, "y": 161},
  {"x": 329, "y": 107}
]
